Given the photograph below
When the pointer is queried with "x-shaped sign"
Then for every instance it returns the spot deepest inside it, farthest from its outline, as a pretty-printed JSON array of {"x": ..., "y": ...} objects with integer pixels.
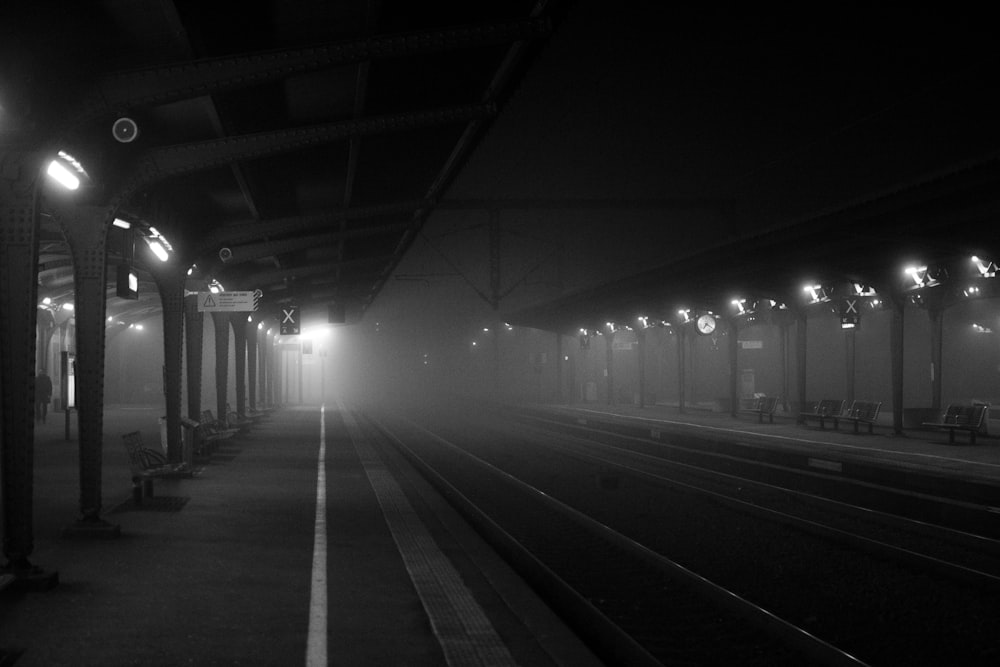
[
  {"x": 850, "y": 306},
  {"x": 289, "y": 316}
]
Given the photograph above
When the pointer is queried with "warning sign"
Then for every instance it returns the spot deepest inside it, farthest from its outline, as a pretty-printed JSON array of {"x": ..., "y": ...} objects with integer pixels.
[
  {"x": 289, "y": 321},
  {"x": 226, "y": 302}
]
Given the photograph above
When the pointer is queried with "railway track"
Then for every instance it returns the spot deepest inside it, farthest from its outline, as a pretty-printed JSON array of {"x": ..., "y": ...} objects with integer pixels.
[
  {"x": 888, "y": 589},
  {"x": 637, "y": 606}
]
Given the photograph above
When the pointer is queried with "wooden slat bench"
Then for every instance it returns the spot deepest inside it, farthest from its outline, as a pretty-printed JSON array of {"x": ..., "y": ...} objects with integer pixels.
[
  {"x": 827, "y": 409},
  {"x": 860, "y": 412},
  {"x": 763, "y": 406},
  {"x": 235, "y": 421},
  {"x": 957, "y": 417},
  {"x": 148, "y": 464}
]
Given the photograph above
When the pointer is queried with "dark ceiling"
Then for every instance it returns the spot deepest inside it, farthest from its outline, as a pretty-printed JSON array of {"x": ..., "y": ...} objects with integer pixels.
[
  {"x": 314, "y": 140},
  {"x": 292, "y": 147}
]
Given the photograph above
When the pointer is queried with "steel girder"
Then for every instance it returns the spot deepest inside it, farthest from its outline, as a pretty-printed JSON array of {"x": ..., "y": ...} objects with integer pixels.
[
  {"x": 221, "y": 323},
  {"x": 194, "y": 332},
  {"x": 246, "y": 231},
  {"x": 184, "y": 158},
  {"x": 170, "y": 284},
  {"x": 250, "y": 251},
  {"x": 161, "y": 85},
  {"x": 19, "y": 211},
  {"x": 239, "y": 325}
]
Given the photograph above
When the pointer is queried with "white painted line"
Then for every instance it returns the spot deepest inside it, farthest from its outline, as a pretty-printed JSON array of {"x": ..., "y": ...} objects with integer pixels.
[{"x": 316, "y": 646}]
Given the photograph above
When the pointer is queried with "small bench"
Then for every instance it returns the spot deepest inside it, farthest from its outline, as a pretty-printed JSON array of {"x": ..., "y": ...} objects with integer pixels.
[
  {"x": 827, "y": 409},
  {"x": 148, "y": 464},
  {"x": 235, "y": 421},
  {"x": 762, "y": 406},
  {"x": 861, "y": 412},
  {"x": 961, "y": 418}
]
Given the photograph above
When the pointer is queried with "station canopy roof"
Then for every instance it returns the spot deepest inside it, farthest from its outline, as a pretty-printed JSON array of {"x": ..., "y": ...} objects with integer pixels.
[{"x": 300, "y": 147}]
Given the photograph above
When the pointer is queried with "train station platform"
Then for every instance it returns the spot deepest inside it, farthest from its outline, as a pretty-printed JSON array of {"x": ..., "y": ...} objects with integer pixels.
[
  {"x": 226, "y": 568},
  {"x": 926, "y": 451}
]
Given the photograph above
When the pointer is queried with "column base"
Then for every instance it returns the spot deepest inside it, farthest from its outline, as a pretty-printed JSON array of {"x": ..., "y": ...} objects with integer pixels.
[
  {"x": 91, "y": 528},
  {"x": 27, "y": 577}
]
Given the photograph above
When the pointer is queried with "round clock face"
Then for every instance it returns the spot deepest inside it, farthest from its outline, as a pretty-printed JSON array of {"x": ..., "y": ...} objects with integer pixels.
[{"x": 706, "y": 324}]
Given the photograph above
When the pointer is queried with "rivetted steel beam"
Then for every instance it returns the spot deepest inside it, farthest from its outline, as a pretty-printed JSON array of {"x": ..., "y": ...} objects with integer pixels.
[
  {"x": 194, "y": 332},
  {"x": 239, "y": 324},
  {"x": 252, "y": 364},
  {"x": 170, "y": 284},
  {"x": 221, "y": 324},
  {"x": 19, "y": 220},
  {"x": 160, "y": 163},
  {"x": 270, "y": 277},
  {"x": 250, "y": 251},
  {"x": 252, "y": 230},
  {"x": 160, "y": 85}
]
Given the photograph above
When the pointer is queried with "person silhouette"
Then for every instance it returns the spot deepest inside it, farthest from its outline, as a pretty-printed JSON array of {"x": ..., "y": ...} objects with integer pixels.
[{"x": 43, "y": 394}]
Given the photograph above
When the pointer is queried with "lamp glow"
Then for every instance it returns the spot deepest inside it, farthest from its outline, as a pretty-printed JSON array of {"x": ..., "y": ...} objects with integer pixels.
[
  {"x": 63, "y": 176},
  {"x": 124, "y": 224},
  {"x": 158, "y": 250}
]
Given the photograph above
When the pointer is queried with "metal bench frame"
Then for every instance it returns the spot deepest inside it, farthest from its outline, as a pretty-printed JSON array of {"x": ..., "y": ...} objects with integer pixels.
[
  {"x": 763, "y": 405},
  {"x": 828, "y": 408},
  {"x": 959, "y": 417},
  {"x": 861, "y": 412}
]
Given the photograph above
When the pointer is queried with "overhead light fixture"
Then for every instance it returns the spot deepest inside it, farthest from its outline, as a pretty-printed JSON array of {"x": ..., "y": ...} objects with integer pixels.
[
  {"x": 68, "y": 306},
  {"x": 66, "y": 170},
  {"x": 158, "y": 249},
  {"x": 985, "y": 268},
  {"x": 124, "y": 224}
]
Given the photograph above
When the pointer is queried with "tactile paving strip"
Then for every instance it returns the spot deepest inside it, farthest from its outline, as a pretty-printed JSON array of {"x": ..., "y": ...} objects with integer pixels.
[{"x": 466, "y": 636}]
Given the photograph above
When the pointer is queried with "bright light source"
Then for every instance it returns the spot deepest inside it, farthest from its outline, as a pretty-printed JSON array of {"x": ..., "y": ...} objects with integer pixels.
[
  {"x": 138, "y": 327},
  {"x": 864, "y": 290},
  {"x": 63, "y": 176},
  {"x": 986, "y": 269},
  {"x": 249, "y": 318},
  {"x": 158, "y": 249},
  {"x": 474, "y": 343},
  {"x": 110, "y": 318},
  {"x": 67, "y": 306},
  {"x": 46, "y": 301},
  {"x": 848, "y": 325},
  {"x": 486, "y": 330},
  {"x": 124, "y": 224},
  {"x": 268, "y": 332},
  {"x": 260, "y": 325}
]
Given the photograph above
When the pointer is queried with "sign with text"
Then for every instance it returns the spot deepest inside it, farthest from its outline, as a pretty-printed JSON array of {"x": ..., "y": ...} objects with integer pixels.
[
  {"x": 226, "y": 302},
  {"x": 289, "y": 321}
]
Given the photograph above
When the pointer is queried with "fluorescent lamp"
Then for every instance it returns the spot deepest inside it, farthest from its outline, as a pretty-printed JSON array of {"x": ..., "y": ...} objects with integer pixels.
[
  {"x": 67, "y": 306},
  {"x": 62, "y": 175},
  {"x": 158, "y": 249},
  {"x": 124, "y": 224}
]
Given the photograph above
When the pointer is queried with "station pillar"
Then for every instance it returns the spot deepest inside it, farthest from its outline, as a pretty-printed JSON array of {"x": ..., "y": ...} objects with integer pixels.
[
  {"x": 170, "y": 284},
  {"x": 801, "y": 323},
  {"x": 251, "y": 337},
  {"x": 85, "y": 228},
  {"x": 609, "y": 340},
  {"x": 194, "y": 333},
  {"x": 221, "y": 325},
  {"x": 19, "y": 215},
  {"x": 896, "y": 355},
  {"x": 559, "y": 366},
  {"x": 734, "y": 368},
  {"x": 239, "y": 324},
  {"x": 681, "y": 361},
  {"x": 640, "y": 337},
  {"x": 936, "y": 315}
]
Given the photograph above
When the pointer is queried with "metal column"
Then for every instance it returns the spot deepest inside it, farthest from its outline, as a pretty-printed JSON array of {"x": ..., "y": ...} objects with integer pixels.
[
  {"x": 734, "y": 368},
  {"x": 640, "y": 336},
  {"x": 221, "y": 323},
  {"x": 252, "y": 364},
  {"x": 801, "y": 322},
  {"x": 171, "y": 287},
  {"x": 86, "y": 229},
  {"x": 609, "y": 339},
  {"x": 850, "y": 343},
  {"x": 239, "y": 323},
  {"x": 559, "y": 365},
  {"x": 936, "y": 315},
  {"x": 681, "y": 361},
  {"x": 194, "y": 333},
  {"x": 18, "y": 315},
  {"x": 896, "y": 354}
]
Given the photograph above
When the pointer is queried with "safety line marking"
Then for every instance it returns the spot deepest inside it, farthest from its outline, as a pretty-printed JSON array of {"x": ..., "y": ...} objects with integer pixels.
[
  {"x": 464, "y": 632},
  {"x": 316, "y": 647}
]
